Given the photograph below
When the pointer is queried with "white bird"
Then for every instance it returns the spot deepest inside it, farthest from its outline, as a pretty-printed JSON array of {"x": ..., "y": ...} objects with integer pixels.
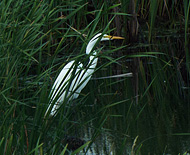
[{"x": 73, "y": 78}]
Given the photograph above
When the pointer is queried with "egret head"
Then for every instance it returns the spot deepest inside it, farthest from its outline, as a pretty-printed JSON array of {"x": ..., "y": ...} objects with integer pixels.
[{"x": 103, "y": 37}]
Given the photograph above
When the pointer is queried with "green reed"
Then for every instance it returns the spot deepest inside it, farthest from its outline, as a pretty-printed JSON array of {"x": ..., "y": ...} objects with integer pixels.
[{"x": 36, "y": 41}]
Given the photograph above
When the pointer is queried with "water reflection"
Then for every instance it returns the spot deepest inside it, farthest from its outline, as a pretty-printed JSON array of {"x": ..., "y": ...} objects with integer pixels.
[
  {"x": 104, "y": 142},
  {"x": 117, "y": 137}
]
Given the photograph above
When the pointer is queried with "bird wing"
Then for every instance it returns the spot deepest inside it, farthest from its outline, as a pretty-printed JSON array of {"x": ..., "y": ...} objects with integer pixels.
[
  {"x": 69, "y": 83},
  {"x": 82, "y": 76},
  {"x": 58, "y": 91}
]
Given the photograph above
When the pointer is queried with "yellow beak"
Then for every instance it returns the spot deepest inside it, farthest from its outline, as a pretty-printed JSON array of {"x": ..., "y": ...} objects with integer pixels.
[{"x": 113, "y": 37}]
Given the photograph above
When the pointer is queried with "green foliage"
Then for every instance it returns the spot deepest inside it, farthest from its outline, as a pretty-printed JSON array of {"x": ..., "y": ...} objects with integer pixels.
[{"x": 37, "y": 39}]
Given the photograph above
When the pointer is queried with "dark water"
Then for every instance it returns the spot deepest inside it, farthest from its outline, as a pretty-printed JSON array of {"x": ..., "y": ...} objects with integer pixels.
[
  {"x": 122, "y": 127},
  {"x": 113, "y": 140}
]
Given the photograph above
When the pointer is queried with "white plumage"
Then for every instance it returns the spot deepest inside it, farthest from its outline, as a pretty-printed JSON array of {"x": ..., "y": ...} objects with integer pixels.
[{"x": 72, "y": 79}]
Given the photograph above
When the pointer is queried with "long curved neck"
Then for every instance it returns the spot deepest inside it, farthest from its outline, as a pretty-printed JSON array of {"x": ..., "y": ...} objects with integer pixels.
[
  {"x": 93, "y": 60},
  {"x": 90, "y": 46}
]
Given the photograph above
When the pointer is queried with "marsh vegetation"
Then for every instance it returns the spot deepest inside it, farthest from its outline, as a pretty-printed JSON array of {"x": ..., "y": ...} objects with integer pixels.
[{"x": 146, "y": 113}]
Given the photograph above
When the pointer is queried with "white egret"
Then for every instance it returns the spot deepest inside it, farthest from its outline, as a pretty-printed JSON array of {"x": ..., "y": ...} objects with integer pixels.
[{"x": 73, "y": 78}]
